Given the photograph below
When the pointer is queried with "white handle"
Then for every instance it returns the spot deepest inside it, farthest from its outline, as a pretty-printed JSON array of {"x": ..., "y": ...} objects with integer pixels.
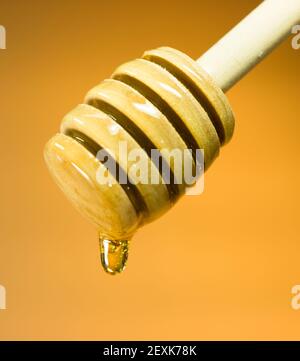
[{"x": 250, "y": 41}]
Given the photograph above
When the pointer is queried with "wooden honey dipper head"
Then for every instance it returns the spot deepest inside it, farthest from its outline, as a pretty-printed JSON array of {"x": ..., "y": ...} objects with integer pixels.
[{"x": 162, "y": 101}]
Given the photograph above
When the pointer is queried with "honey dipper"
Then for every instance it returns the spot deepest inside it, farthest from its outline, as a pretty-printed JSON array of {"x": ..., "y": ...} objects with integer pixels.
[{"x": 164, "y": 100}]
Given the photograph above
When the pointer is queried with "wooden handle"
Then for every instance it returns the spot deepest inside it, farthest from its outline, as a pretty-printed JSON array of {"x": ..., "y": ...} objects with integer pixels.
[{"x": 250, "y": 41}]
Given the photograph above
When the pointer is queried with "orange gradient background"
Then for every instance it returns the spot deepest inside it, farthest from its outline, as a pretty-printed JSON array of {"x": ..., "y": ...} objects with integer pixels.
[{"x": 217, "y": 266}]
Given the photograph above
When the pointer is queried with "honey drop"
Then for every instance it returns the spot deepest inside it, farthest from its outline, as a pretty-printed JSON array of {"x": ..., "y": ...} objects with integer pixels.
[{"x": 114, "y": 255}]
